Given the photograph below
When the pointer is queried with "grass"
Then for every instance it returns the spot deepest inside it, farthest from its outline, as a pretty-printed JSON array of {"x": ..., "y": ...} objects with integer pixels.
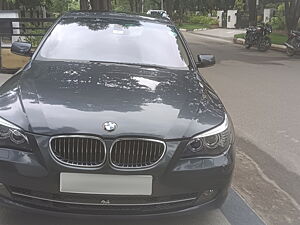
[
  {"x": 190, "y": 26},
  {"x": 240, "y": 36},
  {"x": 278, "y": 39}
]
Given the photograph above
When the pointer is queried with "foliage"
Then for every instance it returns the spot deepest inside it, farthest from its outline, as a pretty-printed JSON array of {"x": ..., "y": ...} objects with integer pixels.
[
  {"x": 62, "y": 6},
  {"x": 280, "y": 10},
  {"x": 240, "y": 36},
  {"x": 189, "y": 26},
  {"x": 121, "y": 6},
  {"x": 203, "y": 20},
  {"x": 278, "y": 23},
  {"x": 57, "y": 6},
  {"x": 174, "y": 6},
  {"x": 240, "y": 5},
  {"x": 30, "y": 4}
]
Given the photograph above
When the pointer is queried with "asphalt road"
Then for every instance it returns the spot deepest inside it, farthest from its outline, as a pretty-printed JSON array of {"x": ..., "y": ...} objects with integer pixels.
[{"x": 260, "y": 92}]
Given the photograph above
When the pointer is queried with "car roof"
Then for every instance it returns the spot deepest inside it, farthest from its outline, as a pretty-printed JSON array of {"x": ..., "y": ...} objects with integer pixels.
[{"x": 116, "y": 15}]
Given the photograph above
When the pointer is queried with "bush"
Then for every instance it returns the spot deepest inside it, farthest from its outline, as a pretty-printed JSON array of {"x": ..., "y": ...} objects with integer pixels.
[
  {"x": 278, "y": 23},
  {"x": 205, "y": 20}
]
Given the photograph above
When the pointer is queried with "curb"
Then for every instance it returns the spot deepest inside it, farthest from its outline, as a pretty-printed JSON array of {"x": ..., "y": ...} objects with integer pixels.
[
  {"x": 280, "y": 48},
  {"x": 185, "y": 30},
  {"x": 209, "y": 35}
]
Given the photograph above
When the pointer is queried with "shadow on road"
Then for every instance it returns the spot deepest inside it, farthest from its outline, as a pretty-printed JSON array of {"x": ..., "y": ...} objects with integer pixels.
[{"x": 10, "y": 217}]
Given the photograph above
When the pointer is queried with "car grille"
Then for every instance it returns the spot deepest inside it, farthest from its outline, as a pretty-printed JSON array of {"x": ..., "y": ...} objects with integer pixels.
[
  {"x": 136, "y": 153},
  {"x": 79, "y": 151}
]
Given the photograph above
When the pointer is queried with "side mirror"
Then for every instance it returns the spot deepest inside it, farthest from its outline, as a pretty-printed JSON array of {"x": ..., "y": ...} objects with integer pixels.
[
  {"x": 206, "y": 61},
  {"x": 21, "y": 48}
]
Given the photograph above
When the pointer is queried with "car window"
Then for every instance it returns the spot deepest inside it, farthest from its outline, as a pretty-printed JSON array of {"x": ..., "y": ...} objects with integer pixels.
[{"x": 117, "y": 41}]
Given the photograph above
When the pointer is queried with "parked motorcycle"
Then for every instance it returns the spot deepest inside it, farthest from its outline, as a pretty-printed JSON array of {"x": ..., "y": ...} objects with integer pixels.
[
  {"x": 259, "y": 36},
  {"x": 293, "y": 43}
]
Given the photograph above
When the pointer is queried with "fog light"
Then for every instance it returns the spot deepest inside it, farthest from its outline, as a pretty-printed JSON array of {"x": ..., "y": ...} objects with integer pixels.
[
  {"x": 207, "y": 195},
  {"x": 3, "y": 191}
]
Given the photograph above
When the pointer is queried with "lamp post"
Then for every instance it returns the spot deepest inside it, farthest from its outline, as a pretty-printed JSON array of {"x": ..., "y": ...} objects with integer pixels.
[{"x": 162, "y": 4}]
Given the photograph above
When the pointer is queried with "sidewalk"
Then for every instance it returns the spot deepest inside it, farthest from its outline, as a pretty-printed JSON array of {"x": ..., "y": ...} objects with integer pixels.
[{"x": 220, "y": 33}]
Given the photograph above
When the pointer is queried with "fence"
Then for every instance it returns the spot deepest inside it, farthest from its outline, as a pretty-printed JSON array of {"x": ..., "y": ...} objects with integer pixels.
[{"x": 22, "y": 29}]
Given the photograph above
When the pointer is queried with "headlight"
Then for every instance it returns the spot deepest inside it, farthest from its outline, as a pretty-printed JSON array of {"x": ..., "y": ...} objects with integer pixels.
[
  {"x": 211, "y": 143},
  {"x": 13, "y": 137}
]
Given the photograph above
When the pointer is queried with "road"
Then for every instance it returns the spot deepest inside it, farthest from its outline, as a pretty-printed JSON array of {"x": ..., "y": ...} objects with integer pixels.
[{"x": 260, "y": 92}]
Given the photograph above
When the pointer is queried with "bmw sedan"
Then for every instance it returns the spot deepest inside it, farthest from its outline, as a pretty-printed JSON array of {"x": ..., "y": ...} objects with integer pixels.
[{"x": 112, "y": 117}]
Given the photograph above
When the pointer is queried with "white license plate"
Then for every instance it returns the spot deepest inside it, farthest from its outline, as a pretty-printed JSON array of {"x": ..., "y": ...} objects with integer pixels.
[{"x": 106, "y": 184}]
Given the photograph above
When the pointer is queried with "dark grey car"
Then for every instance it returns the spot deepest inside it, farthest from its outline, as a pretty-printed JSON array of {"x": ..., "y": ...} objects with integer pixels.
[{"x": 112, "y": 117}]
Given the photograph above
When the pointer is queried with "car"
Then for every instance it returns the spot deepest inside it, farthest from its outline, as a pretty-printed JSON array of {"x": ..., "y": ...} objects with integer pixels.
[
  {"x": 158, "y": 13},
  {"x": 111, "y": 116}
]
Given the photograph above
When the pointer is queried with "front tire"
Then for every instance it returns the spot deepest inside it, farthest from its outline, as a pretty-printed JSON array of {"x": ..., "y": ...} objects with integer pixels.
[
  {"x": 247, "y": 42},
  {"x": 248, "y": 46},
  {"x": 265, "y": 44},
  {"x": 290, "y": 51}
]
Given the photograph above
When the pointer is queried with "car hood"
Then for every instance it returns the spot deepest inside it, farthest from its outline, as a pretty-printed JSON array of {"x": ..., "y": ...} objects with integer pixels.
[{"x": 53, "y": 98}]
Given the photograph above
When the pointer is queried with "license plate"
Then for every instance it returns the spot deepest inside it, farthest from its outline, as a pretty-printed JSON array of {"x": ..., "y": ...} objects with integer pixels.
[{"x": 106, "y": 184}]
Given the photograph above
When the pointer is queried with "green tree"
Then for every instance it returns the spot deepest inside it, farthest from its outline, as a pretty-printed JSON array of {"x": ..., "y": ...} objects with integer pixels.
[
  {"x": 240, "y": 5},
  {"x": 61, "y": 6}
]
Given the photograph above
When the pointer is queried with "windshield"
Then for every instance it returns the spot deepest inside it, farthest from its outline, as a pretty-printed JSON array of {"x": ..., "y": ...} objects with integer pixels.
[{"x": 117, "y": 41}]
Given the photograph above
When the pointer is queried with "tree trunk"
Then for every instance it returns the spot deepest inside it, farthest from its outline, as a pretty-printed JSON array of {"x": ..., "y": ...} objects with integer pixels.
[
  {"x": 3, "y": 5},
  {"x": 101, "y": 5},
  {"x": 252, "y": 12},
  {"x": 84, "y": 5},
  {"x": 136, "y": 6},
  {"x": 292, "y": 14},
  {"x": 169, "y": 5}
]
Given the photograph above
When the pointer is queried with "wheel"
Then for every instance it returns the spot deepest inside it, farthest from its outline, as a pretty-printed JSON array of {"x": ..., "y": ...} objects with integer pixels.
[
  {"x": 290, "y": 51},
  {"x": 247, "y": 43},
  {"x": 265, "y": 44}
]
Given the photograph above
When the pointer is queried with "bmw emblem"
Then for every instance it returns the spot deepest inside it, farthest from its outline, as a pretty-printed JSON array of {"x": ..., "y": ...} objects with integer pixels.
[{"x": 110, "y": 126}]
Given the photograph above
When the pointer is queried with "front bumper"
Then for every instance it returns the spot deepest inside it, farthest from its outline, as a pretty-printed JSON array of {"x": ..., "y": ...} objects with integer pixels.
[
  {"x": 183, "y": 211},
  {"x": 31, "y": 181}
]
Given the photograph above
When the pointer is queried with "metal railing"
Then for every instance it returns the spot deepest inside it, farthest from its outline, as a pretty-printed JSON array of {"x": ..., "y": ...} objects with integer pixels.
[{"x": 22, "y": 29}]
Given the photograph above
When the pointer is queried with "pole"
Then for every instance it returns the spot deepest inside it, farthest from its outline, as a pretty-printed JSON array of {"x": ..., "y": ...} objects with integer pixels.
[
  {"x": 143, "y": 2},
  {"x": 162, "y": 4}
]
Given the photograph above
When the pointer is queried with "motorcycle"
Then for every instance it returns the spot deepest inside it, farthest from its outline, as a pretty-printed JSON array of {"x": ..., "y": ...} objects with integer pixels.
[
  {"x": 259, "y": 36},
  {"x": 293, "y": 43}
]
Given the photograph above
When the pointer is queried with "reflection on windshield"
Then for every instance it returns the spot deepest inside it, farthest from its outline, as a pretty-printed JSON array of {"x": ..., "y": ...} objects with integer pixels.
[{"x": 120, "y": 41}]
